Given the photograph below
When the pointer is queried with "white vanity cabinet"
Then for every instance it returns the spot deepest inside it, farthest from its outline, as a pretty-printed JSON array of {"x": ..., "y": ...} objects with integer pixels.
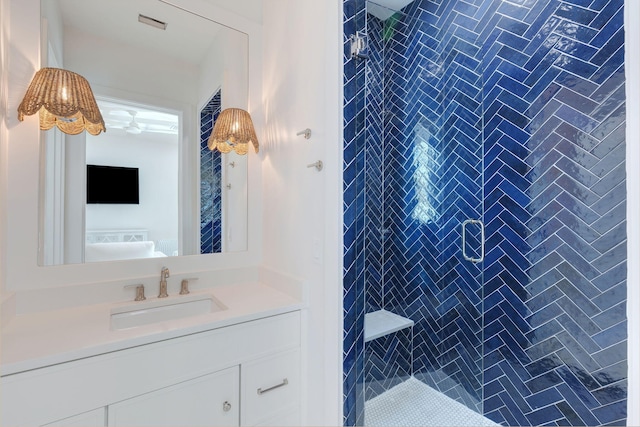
[{"x": 244, "y": 374}]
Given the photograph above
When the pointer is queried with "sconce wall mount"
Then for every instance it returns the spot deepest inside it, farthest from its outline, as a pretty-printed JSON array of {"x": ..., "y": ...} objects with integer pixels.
[
  {"x": 233, "y": 131},
  {"x": 63, "y": 99}
]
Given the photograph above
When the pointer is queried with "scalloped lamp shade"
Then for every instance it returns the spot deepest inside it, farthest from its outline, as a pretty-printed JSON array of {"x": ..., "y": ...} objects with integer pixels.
[
  {"x": 233, "y": 131},
  {"x": 63, "y": 99}
]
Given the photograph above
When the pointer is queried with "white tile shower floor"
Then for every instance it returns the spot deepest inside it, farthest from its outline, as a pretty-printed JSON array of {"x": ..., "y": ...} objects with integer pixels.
[{"x": 413, "y": 403}]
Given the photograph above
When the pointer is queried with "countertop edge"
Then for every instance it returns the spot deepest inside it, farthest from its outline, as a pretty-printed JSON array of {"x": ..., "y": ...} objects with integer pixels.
[{"x": 162, "y": 332}]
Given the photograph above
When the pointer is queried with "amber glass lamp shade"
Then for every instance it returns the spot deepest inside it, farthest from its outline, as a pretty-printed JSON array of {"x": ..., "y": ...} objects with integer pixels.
[
  {"x": 233, "y": 131},
  {"x": 63, "y": 99}
]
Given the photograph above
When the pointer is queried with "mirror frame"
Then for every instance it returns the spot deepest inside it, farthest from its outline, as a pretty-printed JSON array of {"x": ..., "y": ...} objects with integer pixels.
[{"x": 22, "y": 158}]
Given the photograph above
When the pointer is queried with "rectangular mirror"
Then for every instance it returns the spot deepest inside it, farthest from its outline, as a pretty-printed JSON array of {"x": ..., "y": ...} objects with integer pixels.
[{"x": 159, "y": 89}]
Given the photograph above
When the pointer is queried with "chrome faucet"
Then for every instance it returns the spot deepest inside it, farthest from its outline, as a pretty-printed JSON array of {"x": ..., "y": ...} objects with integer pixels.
[{"x": 164, "y": 275}]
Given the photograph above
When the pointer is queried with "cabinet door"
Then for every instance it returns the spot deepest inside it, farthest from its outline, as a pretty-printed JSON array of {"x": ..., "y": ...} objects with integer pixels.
[
  {"x": 210, "y": 400},
  {"x": 95, "y": 418}
]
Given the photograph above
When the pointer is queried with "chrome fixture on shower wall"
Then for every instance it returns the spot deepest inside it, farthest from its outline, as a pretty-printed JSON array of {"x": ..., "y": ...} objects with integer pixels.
[{"x": 358, "y": 45}]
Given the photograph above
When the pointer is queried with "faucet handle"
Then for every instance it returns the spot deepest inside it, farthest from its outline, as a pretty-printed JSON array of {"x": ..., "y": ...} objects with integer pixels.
[
  {"x": 184, "y": 285},
  {"x": 139, "y": 291}
]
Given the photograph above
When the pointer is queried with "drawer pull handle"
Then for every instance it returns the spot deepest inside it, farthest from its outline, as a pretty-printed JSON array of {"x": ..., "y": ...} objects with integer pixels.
[
  {"x": 282, "y": 384},
  {"x": 226, "y": 406}
]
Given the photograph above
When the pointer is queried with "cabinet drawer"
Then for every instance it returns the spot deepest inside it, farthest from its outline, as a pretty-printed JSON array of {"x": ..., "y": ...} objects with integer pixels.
[{"x": 271, "y": 387}]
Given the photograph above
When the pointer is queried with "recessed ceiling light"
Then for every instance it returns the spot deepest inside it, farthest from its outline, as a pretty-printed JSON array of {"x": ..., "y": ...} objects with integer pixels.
[{"x": 151, "y": 21}]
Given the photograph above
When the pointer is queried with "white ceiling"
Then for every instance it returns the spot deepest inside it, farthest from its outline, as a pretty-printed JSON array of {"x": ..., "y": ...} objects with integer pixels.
[
  {"x": 250, "y": 9},
  {"x": 186, "y": 38}
]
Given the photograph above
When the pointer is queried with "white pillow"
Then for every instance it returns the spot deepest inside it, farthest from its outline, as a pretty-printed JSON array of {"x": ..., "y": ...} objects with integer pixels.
[{"x": 118, "y": 250}]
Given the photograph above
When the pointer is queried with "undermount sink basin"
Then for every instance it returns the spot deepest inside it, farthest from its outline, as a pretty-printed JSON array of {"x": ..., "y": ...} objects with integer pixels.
[{"x": 146, "y": 313}]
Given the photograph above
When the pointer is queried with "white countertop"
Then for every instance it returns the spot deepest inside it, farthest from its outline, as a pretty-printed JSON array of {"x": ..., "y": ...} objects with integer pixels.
[{"x": 32, "y": 341}]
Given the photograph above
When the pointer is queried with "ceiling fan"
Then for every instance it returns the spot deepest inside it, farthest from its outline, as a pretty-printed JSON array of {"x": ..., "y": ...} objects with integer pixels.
[
  {"x": 135, "y": 122},
  {"x": 133, "y": 127}
]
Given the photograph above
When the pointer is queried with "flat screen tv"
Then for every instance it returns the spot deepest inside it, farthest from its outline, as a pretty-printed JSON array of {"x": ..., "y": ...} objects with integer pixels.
[{"x": 112, "y": 185}]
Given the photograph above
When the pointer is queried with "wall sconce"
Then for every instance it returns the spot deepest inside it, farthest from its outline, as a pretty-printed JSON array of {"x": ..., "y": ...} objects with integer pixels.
[
  {"x": 233, "y": 131},
  {"x": 63, "y": 99}
]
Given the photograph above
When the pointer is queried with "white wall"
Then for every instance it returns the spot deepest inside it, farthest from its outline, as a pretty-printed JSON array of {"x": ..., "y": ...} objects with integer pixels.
[
  {"x": 4, "y": 70},
  {"x": 303, "y": 207},
  {"x": 157, "y": 163},
  {"x": 114, "y": 65},
  {"x": 225, "y": 67},
  {"x": 632, "y": 64},
  {"x": 53, "y": 26}
]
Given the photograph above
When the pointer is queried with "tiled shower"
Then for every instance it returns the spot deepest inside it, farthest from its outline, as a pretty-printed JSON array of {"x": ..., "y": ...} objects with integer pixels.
[
  {"x": 509, "y": 112},
  {"x": 210, "y": 181}
]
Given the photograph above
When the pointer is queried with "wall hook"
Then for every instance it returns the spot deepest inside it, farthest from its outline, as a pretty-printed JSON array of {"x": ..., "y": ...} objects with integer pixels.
[
  {"x": 318, "y": 165},
  {"x": 306, "y": 133}
]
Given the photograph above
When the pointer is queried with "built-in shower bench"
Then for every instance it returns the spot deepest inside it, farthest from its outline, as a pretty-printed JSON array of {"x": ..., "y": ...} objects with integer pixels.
[{"x": 382, "y": 322}]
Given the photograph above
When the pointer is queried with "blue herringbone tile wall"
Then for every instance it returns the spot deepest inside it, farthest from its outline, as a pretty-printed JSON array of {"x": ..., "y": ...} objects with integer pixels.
[
  {"x": 513, "y": 112},
  {"x": 387, "y": 362},
  {"x": 354, "y": 219},
  {"x": 435, "y": 175},
  {"x": 210, "y": 181},
  {"x": 555, "y": 290}
]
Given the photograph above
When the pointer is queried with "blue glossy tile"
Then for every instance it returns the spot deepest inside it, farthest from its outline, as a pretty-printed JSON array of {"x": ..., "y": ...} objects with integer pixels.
[
  {"x": 575, "y": 13},
  {"x": 517, "y": 12},
  {"x": 612, "y": 412},
  {"x": 540, "y": 47},
  {"x": 614, "y": 379},
  {"x": 616, "y": 196},
  {"x": 571, "y": 417},
  {"x": 577, "y": 388},
  {"x": 612, "y": 335},
  {"x": 609, "y": 48},
  {"x": 515, "y": 410},
  {"x": 613, "y": 315},
  {"x": 540, "y": 15},
  {"x": 609, "y": 29},
  {"x": 579, "y": 50},
  {"x": 527, "y": 201},
  {"x": 543, "y": 348},
  {"x": 571, "y": 132},
  {"x": 583, "y": 3},
  {"x": 576, "y": 31},
  {"x": 607, "y": 10},
  {"x": 577, "y": 101},
  {"x": 513, "y": 55},
  {"x": 576, "y": 66},
  {"x": 543, "y": 382},
  {"x": 578, "y": 405}
]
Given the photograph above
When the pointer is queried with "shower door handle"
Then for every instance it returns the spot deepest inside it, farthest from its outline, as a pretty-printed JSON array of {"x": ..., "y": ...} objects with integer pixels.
[{"x": 464, "y": 240}]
